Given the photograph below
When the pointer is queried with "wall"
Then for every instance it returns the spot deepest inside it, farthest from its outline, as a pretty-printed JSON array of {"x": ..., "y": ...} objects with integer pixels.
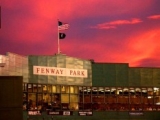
[
  {"x": 110, "y": 74},
  {"x": 11, "y": 98},
  {"x": 14, "y": 65},
  {"x": 97, "y": 115},
  {"x": 120, "y": 74},
  {"x": 144, "y": 77},
  {"x": 60, "y": 61}
]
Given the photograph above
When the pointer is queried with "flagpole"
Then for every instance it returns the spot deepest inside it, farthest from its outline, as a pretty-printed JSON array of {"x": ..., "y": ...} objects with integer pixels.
[
  {"x": 58, "y": 41},
  {"x": 61, "y": 26}
]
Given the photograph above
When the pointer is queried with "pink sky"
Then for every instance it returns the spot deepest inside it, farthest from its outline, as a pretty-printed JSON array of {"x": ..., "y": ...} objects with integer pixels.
[{"x": 111, "y": 31}]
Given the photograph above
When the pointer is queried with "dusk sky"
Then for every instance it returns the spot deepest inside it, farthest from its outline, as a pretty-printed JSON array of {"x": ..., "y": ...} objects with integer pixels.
[{"x": 110, "y": 31}]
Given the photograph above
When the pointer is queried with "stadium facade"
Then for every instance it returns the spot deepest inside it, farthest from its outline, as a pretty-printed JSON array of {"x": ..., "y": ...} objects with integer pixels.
[{"x": 65, "y": 88}]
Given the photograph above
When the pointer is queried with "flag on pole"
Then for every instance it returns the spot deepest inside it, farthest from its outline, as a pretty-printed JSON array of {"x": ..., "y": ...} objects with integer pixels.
[
  {"x": 62, "y": 26},
  {"x": 62, "y": 35},
  {"x": 59, "y": 23}
]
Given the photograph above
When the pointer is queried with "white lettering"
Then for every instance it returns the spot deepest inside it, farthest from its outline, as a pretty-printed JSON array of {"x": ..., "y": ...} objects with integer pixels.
[{"x": 34, "y": 113}]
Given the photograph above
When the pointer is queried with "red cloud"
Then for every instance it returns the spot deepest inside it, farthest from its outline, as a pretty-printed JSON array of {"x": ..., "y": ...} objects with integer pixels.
[
  {"x": 144, "y": 45},
  {"x": 103, "y": 27},
  {"x": 32, "y": 22},
  {"x": 114, "y": 24},
  {"x": 154, "y": 17},
  {"x": 135, "y": 48},
  {"x": 122, "y": 22},
  {"x": 69, "y": 9}
]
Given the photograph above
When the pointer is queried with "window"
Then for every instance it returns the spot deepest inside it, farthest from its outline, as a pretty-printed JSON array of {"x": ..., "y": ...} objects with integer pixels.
[
  {"x": 64, "y": 89},
  {"x": 34, "y": 87},
  {"x": 119, "y": 91},
  {"x": 39, "y": 88},
  {"x": 29, "y": 88},
  {"x": 49, "y": 88},
  {"x": 65, "y": 97},
  {"x": 73, "y": 89},
  {"x": 107, "y": 90},
  {"x": 156, "y": 99},
  {"x": 32, "y": 101}
]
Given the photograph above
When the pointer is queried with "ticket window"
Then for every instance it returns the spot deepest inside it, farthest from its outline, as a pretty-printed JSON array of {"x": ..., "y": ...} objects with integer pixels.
[
  {"x": 47, "y": 97},
  {"x": 46, "y": 101},
  {"x": 56, "y": 100},
  {"x": 73, "y": 105},
  {"x": 32, "y": 101},
  {"x": 65, "y": 101},
  {"x": 73, "y": 98}
]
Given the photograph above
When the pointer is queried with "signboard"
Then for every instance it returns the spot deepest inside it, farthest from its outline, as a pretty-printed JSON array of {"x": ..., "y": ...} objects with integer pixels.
[
  {"x": 34, "y": 112},
  {"x": 65, "y": 113},
  {"x": 85, "y": 113},
  {"x": 55, "y": 71},
  {"x": 136, "y": 113}
]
